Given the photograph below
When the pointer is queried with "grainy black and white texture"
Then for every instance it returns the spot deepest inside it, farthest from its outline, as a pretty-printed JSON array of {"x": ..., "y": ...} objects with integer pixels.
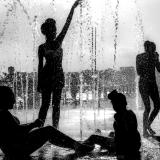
[{"x": 99, "y": 55}]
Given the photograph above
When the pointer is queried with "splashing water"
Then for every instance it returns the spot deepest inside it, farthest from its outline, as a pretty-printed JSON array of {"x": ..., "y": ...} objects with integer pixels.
[
  {"x": 116, "y": 21},
  {"x": 88, "y": 43},
  {"x": 139, "y": 22},
  {"x": 140, "y": 42},
  {"x": 10, "y": 11},
  {"x": 25, "y": 11},
  {"x": 81, "y": 78},
  {"x": 139, "y": 28}
]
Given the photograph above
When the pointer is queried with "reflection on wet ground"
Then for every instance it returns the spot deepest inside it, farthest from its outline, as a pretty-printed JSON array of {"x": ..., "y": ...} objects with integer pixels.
[
  {"x": 70, "y": 125},
  {"x": 150, "y": 151},
  {"x": 51, "y": 152}
]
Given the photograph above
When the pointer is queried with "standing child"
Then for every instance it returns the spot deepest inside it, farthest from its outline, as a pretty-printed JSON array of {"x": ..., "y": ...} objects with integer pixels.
[
  {"x": 50, "y": 73},
  {"x": 146, "y": 64}
]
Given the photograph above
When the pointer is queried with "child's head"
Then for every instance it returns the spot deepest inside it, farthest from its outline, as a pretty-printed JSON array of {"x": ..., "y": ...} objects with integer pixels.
[
  {"x": 7, "y": 98},
  {"x": 118, "y": 101},
  {"x": 48, "y": 28},
  {"x": 149, "y": 46}
]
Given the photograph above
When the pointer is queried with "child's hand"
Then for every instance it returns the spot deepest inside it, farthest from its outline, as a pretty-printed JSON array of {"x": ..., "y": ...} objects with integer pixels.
[
  {"x": 39, "y": 89},
  {"x": 156, "y": 56},
  {"x": 38, "y": 123},
  {"x": 76, "y": 3},
  {"x": 17, "y": 120},
  {"x": 111, "y": 134}
]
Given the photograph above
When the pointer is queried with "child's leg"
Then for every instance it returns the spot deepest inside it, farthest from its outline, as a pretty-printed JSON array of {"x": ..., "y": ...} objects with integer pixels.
[
  {"x": 104, "y": 142},
  {"x": 38, "y": 137},
  {"x": 46, "y": 95},
  {"x": 56, "y": 99}
]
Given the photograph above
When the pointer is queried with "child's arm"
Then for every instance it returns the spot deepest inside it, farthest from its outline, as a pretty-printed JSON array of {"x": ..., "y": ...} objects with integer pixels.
[
  {"x": 157, "y": 62},
  {"x": 139, "y": 68},
  {"x": 25, "y": 128},
  {"x": 62, "y": 34},
  {"x": 126, "y": 122},
  {"x": 40, "y": 66},
  {"x": 131, "y": 122}
]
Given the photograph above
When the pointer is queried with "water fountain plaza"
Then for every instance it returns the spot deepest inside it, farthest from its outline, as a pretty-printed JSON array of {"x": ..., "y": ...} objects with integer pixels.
[{"x": 96, "y": 31}]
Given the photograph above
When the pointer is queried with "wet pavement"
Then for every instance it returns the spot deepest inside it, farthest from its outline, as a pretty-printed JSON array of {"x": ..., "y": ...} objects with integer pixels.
[
  {"x": 51, "y": 152},
  {"x": 70, "y": 125},
  {"x": 150, "y": 151}
]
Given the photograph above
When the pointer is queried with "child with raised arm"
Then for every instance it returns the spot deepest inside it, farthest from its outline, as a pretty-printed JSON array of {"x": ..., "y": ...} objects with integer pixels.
[{"x": 50, "y": 74}]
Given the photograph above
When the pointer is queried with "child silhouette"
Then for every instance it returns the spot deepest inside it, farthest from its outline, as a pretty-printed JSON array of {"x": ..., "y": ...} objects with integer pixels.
[
  {"x": 125, "y": 141},
  {"x": 23, "y": 139}
]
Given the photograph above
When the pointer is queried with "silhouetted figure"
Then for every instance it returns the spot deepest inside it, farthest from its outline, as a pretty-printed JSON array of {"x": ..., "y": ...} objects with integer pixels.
[
  {"x": 125, "y": 141},
  {"x": 50, "y": 74},
  {"x": 146, "y": 63},
  {"x": 18, "y": 140}
]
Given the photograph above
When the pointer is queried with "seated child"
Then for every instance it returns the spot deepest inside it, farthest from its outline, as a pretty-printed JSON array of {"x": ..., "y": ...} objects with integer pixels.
[
  {"x": 126, "y": 141},
  {"x": 22, "y": 140}
]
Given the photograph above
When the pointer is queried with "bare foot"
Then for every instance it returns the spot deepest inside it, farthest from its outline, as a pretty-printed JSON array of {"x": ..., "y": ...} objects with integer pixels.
[
  {"x": 82, "y": 149},
  {"x": 151, "y": 131}
]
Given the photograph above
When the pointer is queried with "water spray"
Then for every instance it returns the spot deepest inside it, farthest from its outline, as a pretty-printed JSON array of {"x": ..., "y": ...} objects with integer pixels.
[{"x": 81, "y": 79}]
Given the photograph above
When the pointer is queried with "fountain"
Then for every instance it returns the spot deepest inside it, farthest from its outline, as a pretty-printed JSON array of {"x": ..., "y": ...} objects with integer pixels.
[
  {"x": 140, "y": 40},
  {"x": 92, "y": 59},
  {"x": 92, "y": 23},
  {"x": 116, "y": 23}
]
